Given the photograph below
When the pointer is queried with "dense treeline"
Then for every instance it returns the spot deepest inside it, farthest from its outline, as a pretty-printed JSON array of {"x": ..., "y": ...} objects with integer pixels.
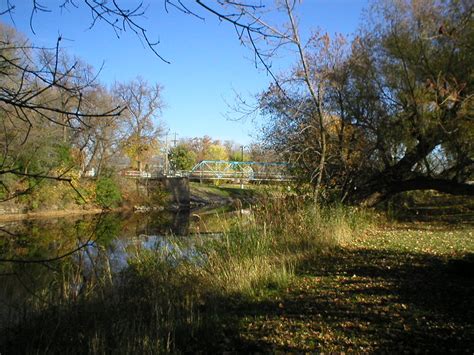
[
  {"x": 389, "y": 111},
  {"x": 359, "y": 120},
  {"x": 59, "y": 123}
]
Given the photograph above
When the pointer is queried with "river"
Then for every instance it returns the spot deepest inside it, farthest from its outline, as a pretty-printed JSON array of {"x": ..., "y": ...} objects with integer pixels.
[{"x": 45, "y": 260}]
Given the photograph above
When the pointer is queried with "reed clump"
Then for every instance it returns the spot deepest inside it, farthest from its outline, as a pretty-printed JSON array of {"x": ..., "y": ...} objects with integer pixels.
[{"x": 170, "y": 299}]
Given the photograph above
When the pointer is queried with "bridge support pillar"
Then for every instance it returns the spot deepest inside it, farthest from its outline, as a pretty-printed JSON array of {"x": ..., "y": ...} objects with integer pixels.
[{"x": 178, "y": 187}]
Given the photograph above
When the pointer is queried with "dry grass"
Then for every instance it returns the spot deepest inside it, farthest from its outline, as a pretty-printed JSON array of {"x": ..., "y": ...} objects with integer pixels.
[{"x": 173, "y": 299}]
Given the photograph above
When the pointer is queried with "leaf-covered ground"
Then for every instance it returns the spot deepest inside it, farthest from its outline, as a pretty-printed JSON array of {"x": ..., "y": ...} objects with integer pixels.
[{"x": 400, "y": 288}]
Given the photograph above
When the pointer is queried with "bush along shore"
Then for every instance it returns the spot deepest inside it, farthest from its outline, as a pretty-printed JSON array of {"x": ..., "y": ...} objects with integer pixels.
[
  {"x": 50, "y": 199},
  {"x": 80, "y": 196},
  {"x": 286, "y": 277}
]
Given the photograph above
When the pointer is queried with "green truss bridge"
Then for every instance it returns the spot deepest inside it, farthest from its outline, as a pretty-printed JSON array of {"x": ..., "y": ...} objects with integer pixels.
[
  {"x": 241, "y": 170},
  {"x": 249, "y": 171}
]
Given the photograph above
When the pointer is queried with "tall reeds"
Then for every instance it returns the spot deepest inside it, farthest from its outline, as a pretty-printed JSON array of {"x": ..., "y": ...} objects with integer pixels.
[{"x": 170, "y": 299}]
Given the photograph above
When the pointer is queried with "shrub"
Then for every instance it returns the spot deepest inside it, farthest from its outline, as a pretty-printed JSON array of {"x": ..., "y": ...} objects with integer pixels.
[{"x": 107, "y": 193}]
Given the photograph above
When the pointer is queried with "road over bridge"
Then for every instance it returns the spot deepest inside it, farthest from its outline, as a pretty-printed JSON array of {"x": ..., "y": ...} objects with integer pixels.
[
  {"x": 240, "y": 170},
  {"x": 246, "y": 171}
]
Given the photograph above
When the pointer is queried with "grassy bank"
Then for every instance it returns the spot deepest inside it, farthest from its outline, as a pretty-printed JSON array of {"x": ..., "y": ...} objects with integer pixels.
[
  {"x": 286, "y": 277},
  {"x": 398, "y": 288},
  {"x": 231, "y": 194},
  {"x": 81, "y": 196}
]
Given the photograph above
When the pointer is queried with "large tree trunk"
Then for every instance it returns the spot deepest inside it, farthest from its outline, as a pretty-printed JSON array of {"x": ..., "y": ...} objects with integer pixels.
[
  {"x": 380, "y": 190},
  {"x": 401, "y": 177}
]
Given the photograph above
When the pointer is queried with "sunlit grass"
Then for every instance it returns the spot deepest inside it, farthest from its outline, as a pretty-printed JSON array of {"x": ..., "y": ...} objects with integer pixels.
[{"x": 433, "y": 239}]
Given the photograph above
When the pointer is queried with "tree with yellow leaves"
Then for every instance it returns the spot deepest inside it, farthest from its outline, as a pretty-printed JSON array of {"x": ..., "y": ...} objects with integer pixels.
[{"x": 140, "y": 122}]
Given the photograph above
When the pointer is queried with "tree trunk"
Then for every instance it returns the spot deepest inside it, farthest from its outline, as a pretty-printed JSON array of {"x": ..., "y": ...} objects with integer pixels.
[
  {"x": 401, "y": 177},
  {"x": 322, "y": 164},
  {"x": 380, "y": 190}
]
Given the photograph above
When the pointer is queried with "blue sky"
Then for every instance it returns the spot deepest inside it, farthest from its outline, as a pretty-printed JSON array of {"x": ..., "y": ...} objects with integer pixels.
[{"x": 207, "y": 62}]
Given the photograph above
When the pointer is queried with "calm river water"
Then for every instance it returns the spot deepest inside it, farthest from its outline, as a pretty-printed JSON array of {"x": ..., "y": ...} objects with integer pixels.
[{"x": 46, "y": 259}]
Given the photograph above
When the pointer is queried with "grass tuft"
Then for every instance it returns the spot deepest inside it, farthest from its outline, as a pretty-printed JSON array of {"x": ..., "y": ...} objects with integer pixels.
[{"x": 171, "y": 299}]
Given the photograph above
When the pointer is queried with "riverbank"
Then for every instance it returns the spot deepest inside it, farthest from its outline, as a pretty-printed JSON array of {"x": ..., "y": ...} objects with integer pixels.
[
  {"x": 286, "y": 278},
  {"x": 211, "y": 195},
  {"x": 50, "y": 214},
  {"x": 201, "y": 195}
]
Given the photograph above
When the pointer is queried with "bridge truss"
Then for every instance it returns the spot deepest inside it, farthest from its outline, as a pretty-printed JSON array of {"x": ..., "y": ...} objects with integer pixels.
[{"x": 247, "y": 170}]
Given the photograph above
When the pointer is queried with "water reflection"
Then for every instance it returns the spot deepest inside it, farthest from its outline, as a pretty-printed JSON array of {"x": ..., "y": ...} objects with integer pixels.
[{"x": 33, "y": 270}]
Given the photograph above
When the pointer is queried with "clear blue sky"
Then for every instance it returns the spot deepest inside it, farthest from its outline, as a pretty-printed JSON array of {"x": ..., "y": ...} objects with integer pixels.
[{"x": 207, "y": 61}]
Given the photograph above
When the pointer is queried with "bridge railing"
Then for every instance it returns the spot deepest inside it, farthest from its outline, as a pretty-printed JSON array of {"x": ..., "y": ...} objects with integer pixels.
[
  {"x": 224, "y": 170},
  {"x": 137, "y": 174},
  {"x": 249, "y": 170}
]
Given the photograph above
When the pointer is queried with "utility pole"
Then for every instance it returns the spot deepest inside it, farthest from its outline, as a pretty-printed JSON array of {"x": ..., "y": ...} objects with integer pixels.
[
  {"x": 242, "y": 167},
  {"x": 166, "y": 162},
  {"x": 175, "y": 141}
]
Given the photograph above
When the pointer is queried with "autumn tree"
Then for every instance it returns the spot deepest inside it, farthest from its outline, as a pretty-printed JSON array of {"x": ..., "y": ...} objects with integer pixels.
[
  {"x": 140, "y": 125},
  {"x": 42, "y": 102},
  {"x": 98, "y": 142},
  {"x": 182, "y": 157},
  {"x": 410, "y": 90},
  {"x": 396, "y": 104},
  {"x": 216, "y": 152},
  {"x": 200, "y": 146},
  {"x": 309, "y": 131},
  {"x": 259, "y": 152}
]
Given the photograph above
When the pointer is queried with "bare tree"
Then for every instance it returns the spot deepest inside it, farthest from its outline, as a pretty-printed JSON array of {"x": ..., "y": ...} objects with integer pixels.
[
  {"x": 122, "y": 18},
  {"x": 268, "y": 39},
  {"x": 97, "y": 143},
  {"x": 140, "y": 124}
]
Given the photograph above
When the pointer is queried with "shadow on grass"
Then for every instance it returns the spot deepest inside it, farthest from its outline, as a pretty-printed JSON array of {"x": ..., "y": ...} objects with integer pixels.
[
  {"x": 349, "y": 300},
  {"x": 429, "y": 206},
  {"x": 366, "y": 300},
  {"x": 145, "y": 315}
]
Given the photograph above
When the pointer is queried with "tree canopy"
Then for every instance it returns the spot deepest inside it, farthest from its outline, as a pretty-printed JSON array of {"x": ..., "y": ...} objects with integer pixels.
[
  {"x": 396, "y": 104},
  {"x": 57, "y": 121},
  {"x": 182, "y": 158},
  {"x": 389, "y": 111}
]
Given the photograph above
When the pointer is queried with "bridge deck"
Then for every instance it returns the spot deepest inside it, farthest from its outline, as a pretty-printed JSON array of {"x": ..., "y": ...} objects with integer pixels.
[
  {"x": 225, "y": 170},
  {"x": 246, "y": 170}
]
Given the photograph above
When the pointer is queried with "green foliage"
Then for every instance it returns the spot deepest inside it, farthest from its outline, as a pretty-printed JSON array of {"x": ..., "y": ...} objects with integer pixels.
[
  {"x": 64, "y": 157},
  {"x": 6, "y": 181},
  {"x": 108, "y": 228},
  {"x": 107, "y": 193},
  {"x": 182, "y": 158},
  {"x": 237, "y": 156}
]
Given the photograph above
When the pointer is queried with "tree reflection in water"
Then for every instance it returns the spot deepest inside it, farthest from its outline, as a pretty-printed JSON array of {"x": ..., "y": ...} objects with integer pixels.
[{"x": 58, "y": 260}]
